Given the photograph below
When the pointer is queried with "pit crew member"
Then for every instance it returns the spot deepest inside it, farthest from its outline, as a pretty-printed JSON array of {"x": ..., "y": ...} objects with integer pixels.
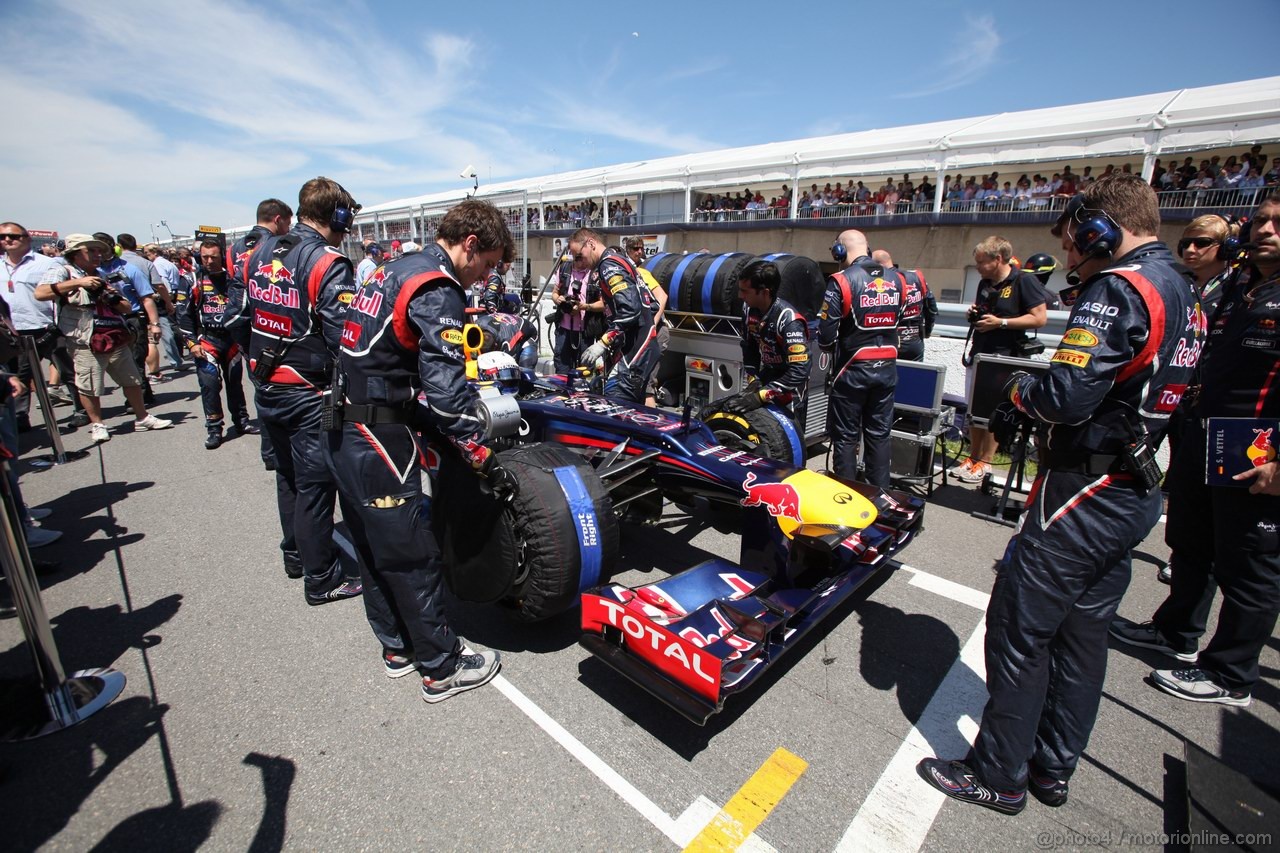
[
  {"x": 204, "y": 320},
  {"x": 298, "y": 289},
  {"x": 919, "y": 315},
  {"x": 628, "y": 348},
  {"x": 274, "y": 218},
  {"x": 404, "y": 370},
  {"x": 858, "y": 334},
  {"x": 495, "y": 289},
  {"x": 1100, "y": 410},
  {"x": 1229, "y": 533},
  {"x": 775, "y": 345},
  {"x": 634, "y": 247}
]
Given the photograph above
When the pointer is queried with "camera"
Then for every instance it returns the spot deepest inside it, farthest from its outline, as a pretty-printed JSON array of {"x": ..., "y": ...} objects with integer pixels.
[{"x": 973, "y": 316}]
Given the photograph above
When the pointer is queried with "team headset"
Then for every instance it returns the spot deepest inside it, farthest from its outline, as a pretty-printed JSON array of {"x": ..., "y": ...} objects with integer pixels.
[
  {"x": 1232, "y": 248},
  {"x": 839, "y": 252},
  {"x": 1094, "y": 234},
  {"x": 344, "y": 216}
]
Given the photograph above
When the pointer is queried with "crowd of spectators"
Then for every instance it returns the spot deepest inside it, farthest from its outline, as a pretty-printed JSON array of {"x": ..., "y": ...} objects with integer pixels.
[
  {"x": 1239, "y": 180},
  {"x": 1233, "y": 181}
]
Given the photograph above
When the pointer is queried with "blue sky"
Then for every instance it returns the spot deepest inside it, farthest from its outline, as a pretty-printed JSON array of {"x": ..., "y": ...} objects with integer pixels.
[{"x": 126, "y": 113}]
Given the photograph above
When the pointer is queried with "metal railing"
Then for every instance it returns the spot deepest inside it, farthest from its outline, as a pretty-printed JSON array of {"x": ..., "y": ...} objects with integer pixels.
[{"x": 995, "y": 207}]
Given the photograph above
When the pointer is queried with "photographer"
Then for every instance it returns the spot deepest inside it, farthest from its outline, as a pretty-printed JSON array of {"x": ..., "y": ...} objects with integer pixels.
[
  {"x": 1009, "y": 303},
  {"x": 576, "y": 295},
  {"x": 91, "y": 311},
  {"x": 1100, "y": 411}
]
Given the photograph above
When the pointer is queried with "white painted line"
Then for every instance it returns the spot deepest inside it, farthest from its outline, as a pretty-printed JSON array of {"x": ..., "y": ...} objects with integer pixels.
[
  {"x": 700, "y": 813},
  {"x": 679, "y": 832},
  {"x": 901, "y": 808},
  {"x": 948, "y": 589}
]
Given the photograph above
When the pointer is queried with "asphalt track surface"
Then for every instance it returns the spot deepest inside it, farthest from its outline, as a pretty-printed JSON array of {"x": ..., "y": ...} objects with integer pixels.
[{"x": 253, "y": 722}]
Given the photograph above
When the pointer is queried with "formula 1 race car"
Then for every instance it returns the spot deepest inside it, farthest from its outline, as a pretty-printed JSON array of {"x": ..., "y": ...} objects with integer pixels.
[{"x": 808, "y": 541}]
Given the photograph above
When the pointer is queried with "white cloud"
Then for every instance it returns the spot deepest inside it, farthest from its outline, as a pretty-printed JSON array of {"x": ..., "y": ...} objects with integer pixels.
[
  {"x": 134, "y": 112},
  {"x": 975, "y": 49}
]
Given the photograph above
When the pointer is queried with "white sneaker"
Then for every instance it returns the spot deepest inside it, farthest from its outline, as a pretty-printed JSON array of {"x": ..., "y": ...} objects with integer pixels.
[
  {"x": 962, "y": 468},
  {"x": 151, "y": 422},
  {"x": 38, "y": 537},
  {"x": 976, "y": 473},
  {"x": 99, "y": 433}
]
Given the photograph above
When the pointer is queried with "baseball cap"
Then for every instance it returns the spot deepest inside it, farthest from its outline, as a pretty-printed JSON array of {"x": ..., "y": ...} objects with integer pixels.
[
  {"x": 76, "y": 242},
  {"x": 395, "y": 244},
  {"x": 409, "y": 247}
]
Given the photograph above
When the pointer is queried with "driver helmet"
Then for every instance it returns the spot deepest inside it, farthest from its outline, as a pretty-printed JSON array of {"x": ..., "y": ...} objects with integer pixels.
[
  {"x": 1041, "y": 265},
  {"x": 501, "y": 369}
]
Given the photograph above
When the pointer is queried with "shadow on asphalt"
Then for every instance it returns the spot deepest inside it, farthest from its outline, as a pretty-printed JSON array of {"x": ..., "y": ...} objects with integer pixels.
[
  {"x": 89, "y": 535},
  {"x": 278, "y": 774},
  {"x": 963, "y": 498},
  {"x": 687, "y": 739},
  {"x": 47, "y": 780},
  {"x": 96, "y": 636},
  {"x": 909, "y": 652}
]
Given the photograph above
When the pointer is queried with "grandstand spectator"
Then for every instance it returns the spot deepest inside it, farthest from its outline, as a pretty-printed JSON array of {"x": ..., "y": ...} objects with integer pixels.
[
  {"x": 87, "y": 306},
  {"x": 1272, "y": 177}
]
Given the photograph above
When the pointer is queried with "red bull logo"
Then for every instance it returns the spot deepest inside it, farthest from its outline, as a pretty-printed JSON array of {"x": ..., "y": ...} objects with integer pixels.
[
  {"x": 878, "y": 293},
  {"x": 275, "y": 272},
  {"x": 1261, "y": 451},
  {"x": 1196, "y": 320},
  {"x": 378, "y": 276},
  {"x": 273, "y": 295},
  {"x": 368, "y": 303},
  {"x": 781, "y": 499}
]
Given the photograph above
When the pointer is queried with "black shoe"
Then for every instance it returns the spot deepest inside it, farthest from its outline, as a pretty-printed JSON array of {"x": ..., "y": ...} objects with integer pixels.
[
  {"x": 246, "y": 428},
  {"x": 149, "y": 397},
  {"x": 24, "y": 422},
  {"x": 79, "y": 419},
  {"x": 958, "y": 781},
  {"x": 214, "y": 441},
  {"x": 1045, "y": 788},
  {"x": 349, "y": 588},
  {"x": 269, "y": 464},
  {"x": 293, "y": 564}
]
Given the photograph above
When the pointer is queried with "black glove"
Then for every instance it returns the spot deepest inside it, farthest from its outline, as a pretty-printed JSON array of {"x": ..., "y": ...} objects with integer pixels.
[
  {"x": 740, "y": 404},
  {"x": 500, "y": 480},
  {"x": 1004, "y": 424}
]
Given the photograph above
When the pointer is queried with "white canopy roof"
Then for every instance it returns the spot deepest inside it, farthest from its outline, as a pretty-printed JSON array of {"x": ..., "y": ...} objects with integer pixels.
[{"x": 1231, "y": 114}]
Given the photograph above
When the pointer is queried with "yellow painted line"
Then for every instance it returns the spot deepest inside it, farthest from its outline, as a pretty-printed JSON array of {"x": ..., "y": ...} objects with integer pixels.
[{"x": 751, "y": 805}]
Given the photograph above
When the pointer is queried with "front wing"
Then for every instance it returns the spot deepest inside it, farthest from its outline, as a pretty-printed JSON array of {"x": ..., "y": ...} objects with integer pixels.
[{"x": 700, "y": 636}]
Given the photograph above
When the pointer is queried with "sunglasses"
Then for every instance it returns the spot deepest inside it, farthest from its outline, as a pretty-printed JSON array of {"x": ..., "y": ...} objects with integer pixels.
[
  {"x": 13, "y": 236},
  {"x": 1198, "y": 242}
]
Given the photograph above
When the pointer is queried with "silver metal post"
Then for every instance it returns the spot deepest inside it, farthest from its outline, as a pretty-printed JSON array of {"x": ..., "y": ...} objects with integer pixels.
[
  {"x": 67, "y": 700},
  {"x": 42, "y": 395}
]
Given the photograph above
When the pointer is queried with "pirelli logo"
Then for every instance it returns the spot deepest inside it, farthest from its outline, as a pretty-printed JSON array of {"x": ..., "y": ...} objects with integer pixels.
[{"x": 1071, "y": 357}]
